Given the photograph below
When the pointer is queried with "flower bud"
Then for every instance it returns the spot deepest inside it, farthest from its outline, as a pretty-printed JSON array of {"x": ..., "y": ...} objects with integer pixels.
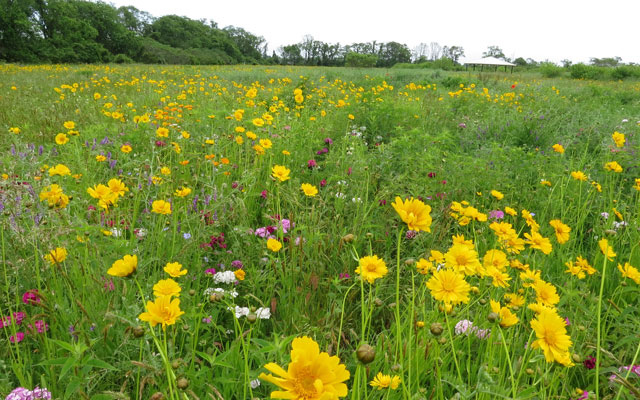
[
  {"x": 252, "y": 317},
  {"x": 157, "y": 396},
  {"x": 576, "y": 358},
  {"x": 378, "y": 302},
  {"x": 396, "y": 367},
  {"x": 192, "y": 292},
  {"x": 530, "y": 371},
  {"x": 348, "y": 238},
  {"x": 138, "y": 331},
  {"x": 366, "y": 353},
  {"x": 409, "y": 261},
  {"x": 175, "y": 364},
  {"x": 493, "y": 317},
  {"x": 436, "y": 329},
  {"x": 482, "y": 301},
  {"x": 442, "y": 340}
]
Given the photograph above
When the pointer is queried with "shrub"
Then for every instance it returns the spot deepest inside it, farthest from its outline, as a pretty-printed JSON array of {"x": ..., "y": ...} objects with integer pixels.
[
  {"x": 550, "y": 70},
  {"x": 353, "y": 59}
]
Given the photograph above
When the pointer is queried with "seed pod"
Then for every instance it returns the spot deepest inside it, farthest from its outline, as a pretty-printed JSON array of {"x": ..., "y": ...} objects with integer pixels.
[
  {"x": 192, "y": 292},
  {"x": 396, "y": 367},
  {"x": 252, "y": 317},
  {"x": 442, "y": 340},
  {"x": 530, "y": 371},
  {"x": 409, "y": 261},
  {"x": 436, "y": 329},
  {"x": 378, "y": 302},
  {"x": 138, "y": 331},
  {"x": 366, "y": 353},
  {"x": 576, "y": 358},
  {"x": 183, "y": 383},
  {"x": 157, "y": 396},
  {"x": 175, "y": 364},
  {"x": 482, "y": 301}
]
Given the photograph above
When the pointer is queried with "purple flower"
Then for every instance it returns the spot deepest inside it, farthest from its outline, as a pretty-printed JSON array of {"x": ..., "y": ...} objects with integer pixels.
[
  {"x": 237, "y": 264},
  {"x": 263, "y": 194},
  {"x": 496, "y": 214},
  {"x": 210, "y": 271},
  {"x": 286, "y": 225},
  {"x": 207, "y": 320},
  {"x": 589, "y": 362},
  {"x": 411, "y": 234},
  {"x": 328, "y": 141},
  {"x": 462, "y": 125},
  {"x": 26, "y": 394},
  {"x": 344, "y": 275}
]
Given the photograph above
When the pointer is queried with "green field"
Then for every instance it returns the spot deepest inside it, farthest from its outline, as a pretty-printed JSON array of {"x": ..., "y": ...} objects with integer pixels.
[{"x": 493, "y": 219}]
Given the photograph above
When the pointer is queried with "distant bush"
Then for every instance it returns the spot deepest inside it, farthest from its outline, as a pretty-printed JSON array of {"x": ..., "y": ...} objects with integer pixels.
[
  {"x": 354, "y": 59},
  {"x": 444, "y": 63},
  {"x": 582, "y": 71},
  {"x": 550, "y": 70},
  {"x": 122, "y": 59}
]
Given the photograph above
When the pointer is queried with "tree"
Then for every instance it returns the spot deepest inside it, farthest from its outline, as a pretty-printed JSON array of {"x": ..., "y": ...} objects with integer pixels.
[
  {"x": 392, "y": 53},
  {"x": 454, "y": 53},
  {"x": 420, "y": 53},
  {"x": 251, "y": 46},
  {"x": 290, "y": 55},
  {"x": 566, "y": 63},
  {"x": 435, "y": 51},
  {"x": 605, "y": 62},
  {"x": 19, "y": 33},
  {"x": 353, "y": 59},
  {"x": 134, "y": 20},
  {"x": 494, "y": 51}
]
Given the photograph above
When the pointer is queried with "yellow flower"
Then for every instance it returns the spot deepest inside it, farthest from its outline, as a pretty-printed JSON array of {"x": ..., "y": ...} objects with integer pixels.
[
  {"x": 124, "y": 267},
  {"x": 240, "y": 274},
  {"x": 558, "y": 148},
  {"x": 311, "y": 375},
  {"x": 498, "y": 277},
  {"x": 258, "y": 122},
  {"x": 606, "y": 249},
  {"x": 125, "y": 148},
  {"x": 161, "y": 207},
  {"x": 619, "y": 139},
  {"x": 497, "y": 194},
  {"x": 495, "y": 258},
  {"x": 166, "y": 287},
  {"x": 286, "y": 153},
  {"x": 537, "y": 241},
  {"x": 510, "y": 211},
  {"x": 562, "y": 230},
  {"x": 69, "y": 125},
  {"x": 183, "y": 192},
  {"x": 552, "y": 338},
  {"x": 424, "y": 267},
  {"x": 59, "y": 169},
  {"x": 163, "y": 311},
  {"x": 579, "y": 175},
  {"x": 274, "y": 245},
  {"x": 165, "y": 171},
  {"x": 629, "y": 271},
  {"x": 280, "y": 172},
  {"x": 382, "y": 381},
  {"x": 636, "y": 186},
  {"x": 545, "y": 182},
  {"x": 61, "y": 138},
  {"x": 162, "y": 132},
  {"x": 251, "y": 135},
  {"x": 101, "y": 158},
  {"x": 117, "y": 187},
  {"x": 15, "y": 130},
  {"x": 613, "y": 166},
  {"x": 174, "y": 269},
  {"x": 371, "y": 268},
  {"x": 309, "y": 189},
  {"x": 54, "y": 196},
  {"x": 56, "y": 256},
  {"x": 507, "y": 318},
  {"x": 239, "y": 139},
  {"x": 351, "y": 117},
  {"x": 266, "y": 143},
  {"x": 449, "y": 287},
  {"x": 546, "y": 293},
  {"x": 463, "y": 259},
  {"x": 414, "y": 213}
]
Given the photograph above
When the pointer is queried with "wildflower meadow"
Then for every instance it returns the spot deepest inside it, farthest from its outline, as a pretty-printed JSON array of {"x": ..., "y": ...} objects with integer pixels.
[{"x": 254, "y": 232}]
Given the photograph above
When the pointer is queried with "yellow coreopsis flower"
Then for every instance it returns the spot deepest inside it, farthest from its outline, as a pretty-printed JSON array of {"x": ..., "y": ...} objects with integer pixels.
[
  {"x": 507, "y": 318},
  {"x": 166, "y": 287},
  {"x": 636, "y": 185},
  {"x": 371, "y": 268},
  {"x": 117, "y": 187},
  {"x": 239, "y": 274},
  {"x": 124, "y": 267},
  {"x": 309, "y": 190},
  {"x": 311, "y": 374},
  {"x": 463, "y": 259},
  {"x": 125, "y": 148},
  {"x": 606, "y": 249},
  {"x": 56, "y": 256},
  {"x": 619, "y": 139},
  {"x": 174, "y": 269},
  {"x": 414, "y": 213},
  {"x": 629, "y": 271},
  {"x": 183, "y": 192},
  {"x": 382, "y": 381},
  {"x": 497, "y": 195},
  {"x": 69, "y": 125},
  {"x": 163, "y": 311},
  {"x": 274, "y": 245},
  {"x": 552, "y": 337},
  {"x": 161, "y": 207},
  {"x": 562, "y": 230},
  {"x": 537, "y": 241},
  {"x": 546, "y": 293},
  {"x": 613, "y": 166},
  {"x": 449, "y": 287},
  {"x": 59, "y": 169},
  {"x": 61, "y": 138},
  {"x": 162, "y": 132},
  {"x": 558, "y": 148},
  {"x": 258, "y": 122},
  {"x": 280, "y": 172},
  {"x": 579, "y": 175},
  {"x": 495, "y": 258},
  {"x": 510, "y": 211},
  {"x": 266, "y": 143}
]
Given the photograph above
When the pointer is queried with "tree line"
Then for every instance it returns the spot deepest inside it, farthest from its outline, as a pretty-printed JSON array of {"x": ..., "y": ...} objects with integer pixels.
[{"x": 81, "y": 31}]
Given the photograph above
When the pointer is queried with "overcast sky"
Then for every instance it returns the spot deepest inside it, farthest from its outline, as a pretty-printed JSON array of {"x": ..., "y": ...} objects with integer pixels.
[{"x": 543, "y": 29}]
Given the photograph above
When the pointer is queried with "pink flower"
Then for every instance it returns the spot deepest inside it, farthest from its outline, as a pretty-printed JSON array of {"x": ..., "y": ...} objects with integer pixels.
[
  {"x": 17, "y": 338},
  {"x": 263, "y": 194},
  {"x": 323, "y": 183},
  {"x": 431, "y": 174},
  {"x": 31, "y": 297},
  {"x": 312, "y": 164}
]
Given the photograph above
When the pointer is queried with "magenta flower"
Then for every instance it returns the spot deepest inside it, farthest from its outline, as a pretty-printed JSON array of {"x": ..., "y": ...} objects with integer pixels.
[
  {"x": 323, "y": 183},
  {"x": 17, "y": 338},
  {"x": 31, "y": 297},
  {"x": 312, "y": 164},
  {"x": 589, "y": 362}
]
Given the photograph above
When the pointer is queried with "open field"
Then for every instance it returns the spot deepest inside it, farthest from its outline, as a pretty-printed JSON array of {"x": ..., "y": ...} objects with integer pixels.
[{"x": 167, "y": 232}]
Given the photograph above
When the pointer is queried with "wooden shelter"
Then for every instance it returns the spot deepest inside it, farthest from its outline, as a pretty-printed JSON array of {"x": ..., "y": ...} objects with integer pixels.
[{"x": 489, "y": 62}]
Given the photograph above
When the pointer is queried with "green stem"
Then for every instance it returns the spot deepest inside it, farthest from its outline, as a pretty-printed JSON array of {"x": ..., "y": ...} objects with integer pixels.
[
  {"x": 599, "y": 338},
  {"x": 453, "y": 348},
  {"x": 506, "y": 350}
]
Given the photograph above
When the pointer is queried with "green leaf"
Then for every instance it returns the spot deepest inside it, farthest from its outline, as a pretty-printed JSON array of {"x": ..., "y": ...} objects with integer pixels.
[
  {"x": 72, "y": 387},
  {"x": 55, "y": 361},
  {"x": 67, "y": 346},
  {"x": 66, "y": 367},
  {"x": 99, "y": 364}
]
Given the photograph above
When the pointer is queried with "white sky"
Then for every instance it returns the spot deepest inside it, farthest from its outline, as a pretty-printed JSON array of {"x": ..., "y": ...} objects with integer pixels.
[{"x": 542, "y": 29}]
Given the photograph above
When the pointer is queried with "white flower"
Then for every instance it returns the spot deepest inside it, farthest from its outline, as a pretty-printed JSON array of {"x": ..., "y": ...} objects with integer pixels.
[
  {"x": 604, "y": 215},
  {"x": 240, "y": 311},
  {"x": 210, "y": 291},
  {"x": 263, "y": 313},
  {"x": 463, "y": 326},
  {"x": 254, "y": 383},
  {"x": 224, "y": 277}
]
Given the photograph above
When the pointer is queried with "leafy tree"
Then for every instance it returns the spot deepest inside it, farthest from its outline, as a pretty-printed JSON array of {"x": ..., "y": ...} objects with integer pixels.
[
  {"x": 494, "y": 51},
  {"x": 19, "y": 33},
  {"x": 605, "y": 62},
  {"x": 290, "y": 55},
  {"x": 252, "y": 47},
  {"x": 134, "y": 20},
  {"x": 353, "y": 59},
  {"x": 521, "y": 62},
  {"x": 454, "y": 53},
  {"x": 392, "y": 53}
]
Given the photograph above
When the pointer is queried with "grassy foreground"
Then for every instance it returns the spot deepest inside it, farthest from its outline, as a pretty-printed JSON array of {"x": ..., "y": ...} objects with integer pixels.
[{"x": 202, "y": 232}]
